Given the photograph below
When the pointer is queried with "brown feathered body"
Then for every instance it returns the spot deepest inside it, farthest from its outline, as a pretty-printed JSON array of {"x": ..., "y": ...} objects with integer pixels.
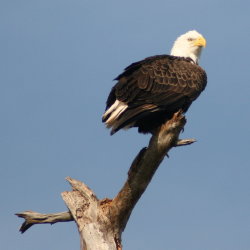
[{"x": 149, "y": 92}]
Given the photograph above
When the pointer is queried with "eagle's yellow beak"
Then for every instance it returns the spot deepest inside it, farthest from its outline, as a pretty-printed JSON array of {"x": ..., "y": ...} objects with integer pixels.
[{"x": 200, "y": 41}]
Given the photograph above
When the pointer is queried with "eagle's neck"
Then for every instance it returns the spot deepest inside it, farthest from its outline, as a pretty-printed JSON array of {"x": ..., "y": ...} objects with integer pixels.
[{"x": 181, "y": 51}]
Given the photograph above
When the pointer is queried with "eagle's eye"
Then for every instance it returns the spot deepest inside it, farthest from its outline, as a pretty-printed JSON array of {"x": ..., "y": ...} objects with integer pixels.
[{"x": 190, "y": 39}]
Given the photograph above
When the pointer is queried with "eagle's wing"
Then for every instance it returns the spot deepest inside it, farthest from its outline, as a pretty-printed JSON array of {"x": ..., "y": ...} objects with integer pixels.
[
  {"x": 156, "y": 83},
  {"x": 160, "y": 80}
]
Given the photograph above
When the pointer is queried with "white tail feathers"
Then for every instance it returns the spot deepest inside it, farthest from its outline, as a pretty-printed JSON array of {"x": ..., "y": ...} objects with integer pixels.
[{"x": 112, "y": 114}]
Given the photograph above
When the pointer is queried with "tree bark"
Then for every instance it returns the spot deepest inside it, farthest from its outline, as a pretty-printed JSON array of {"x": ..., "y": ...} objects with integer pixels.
[{"x": 101, "y": 222}]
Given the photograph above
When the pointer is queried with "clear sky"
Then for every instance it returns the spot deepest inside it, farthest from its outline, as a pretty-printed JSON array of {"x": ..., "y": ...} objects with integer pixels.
[{"x": 57, "y": 62}]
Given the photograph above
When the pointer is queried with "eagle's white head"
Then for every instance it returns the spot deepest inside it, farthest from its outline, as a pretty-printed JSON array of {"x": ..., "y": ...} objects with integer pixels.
[{"x": 189, "y": 45}]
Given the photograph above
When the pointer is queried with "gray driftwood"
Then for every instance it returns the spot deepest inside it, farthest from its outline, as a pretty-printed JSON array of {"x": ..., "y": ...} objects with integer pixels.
[{"x": 101, "y": 222}]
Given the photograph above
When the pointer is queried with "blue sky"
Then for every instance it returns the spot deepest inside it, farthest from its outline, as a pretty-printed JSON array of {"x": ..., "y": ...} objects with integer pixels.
[{"x": 58, "y": 59}]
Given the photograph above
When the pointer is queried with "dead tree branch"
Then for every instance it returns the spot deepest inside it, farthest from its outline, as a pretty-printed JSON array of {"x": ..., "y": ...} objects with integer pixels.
[
  {"x": 101, "y": 222},
  {"x": 32, "y": 218},
  {"x": 143, "y": 169}
]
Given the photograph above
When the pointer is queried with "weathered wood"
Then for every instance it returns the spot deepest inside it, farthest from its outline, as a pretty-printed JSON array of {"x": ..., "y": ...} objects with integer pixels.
[
  {"x": 32, "y": 218},
  {"x": 143, "y": 169},
  {"x": 101, "y": 222},
  {"x": 184, "y": 142},
  {"x": 87, "y": 210}
]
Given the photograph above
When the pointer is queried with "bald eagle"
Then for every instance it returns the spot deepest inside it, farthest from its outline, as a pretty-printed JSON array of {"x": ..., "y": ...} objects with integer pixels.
[{"x": 149, "y": 92}]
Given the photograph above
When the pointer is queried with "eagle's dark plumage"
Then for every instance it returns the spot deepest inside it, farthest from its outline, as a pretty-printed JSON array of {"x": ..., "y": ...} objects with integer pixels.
[{"x": 150, "y": 91}]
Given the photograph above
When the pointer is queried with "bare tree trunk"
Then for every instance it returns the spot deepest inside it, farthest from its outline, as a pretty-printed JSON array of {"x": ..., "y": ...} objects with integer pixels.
[{"x": 101, "y": 222}]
